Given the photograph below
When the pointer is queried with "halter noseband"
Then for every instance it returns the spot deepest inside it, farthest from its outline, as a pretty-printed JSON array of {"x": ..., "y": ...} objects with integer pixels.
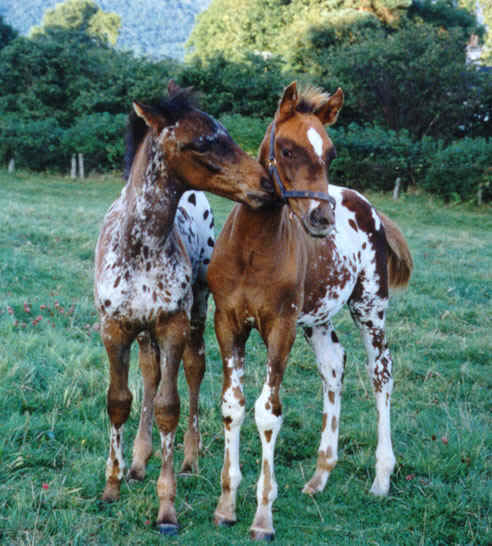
[{"x": 295, "y": 194}]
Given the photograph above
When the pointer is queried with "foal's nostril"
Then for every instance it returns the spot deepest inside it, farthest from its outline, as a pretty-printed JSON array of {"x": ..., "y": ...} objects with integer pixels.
[
  {"x": 267, "y": 185},
  {"x": 318, "y": 219}
]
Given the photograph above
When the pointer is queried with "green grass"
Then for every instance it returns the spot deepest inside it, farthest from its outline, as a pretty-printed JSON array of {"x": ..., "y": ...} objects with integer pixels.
[{"x": 53, "y": 380}]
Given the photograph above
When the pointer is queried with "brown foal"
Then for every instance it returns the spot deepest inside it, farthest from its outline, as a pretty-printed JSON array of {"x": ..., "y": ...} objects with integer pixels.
[{"x": 296, "y": 265}]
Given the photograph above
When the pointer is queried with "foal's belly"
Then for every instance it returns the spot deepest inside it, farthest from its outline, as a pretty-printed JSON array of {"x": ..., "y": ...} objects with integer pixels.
[{"x": 325, "y": 308}]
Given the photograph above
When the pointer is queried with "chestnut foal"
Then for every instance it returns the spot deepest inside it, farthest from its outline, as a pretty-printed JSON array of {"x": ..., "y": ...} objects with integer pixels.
[
  {"x": 297, "y": 264},
  {"x": 150, "y": 276}
]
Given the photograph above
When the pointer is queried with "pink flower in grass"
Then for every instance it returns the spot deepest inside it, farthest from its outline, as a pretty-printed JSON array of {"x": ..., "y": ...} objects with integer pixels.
[
  {"x": 27, "y": 307},
  {"x": 45, "y": 486}
]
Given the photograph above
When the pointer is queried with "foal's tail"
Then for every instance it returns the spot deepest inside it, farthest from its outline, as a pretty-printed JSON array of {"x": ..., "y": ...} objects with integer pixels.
[{"x": 400, "y": 263}]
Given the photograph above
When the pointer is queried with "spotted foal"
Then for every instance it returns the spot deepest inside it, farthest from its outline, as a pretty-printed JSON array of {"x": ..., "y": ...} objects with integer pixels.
[
  {"x": 297, "y": 265},
  {"x": 150, "y": 276}
]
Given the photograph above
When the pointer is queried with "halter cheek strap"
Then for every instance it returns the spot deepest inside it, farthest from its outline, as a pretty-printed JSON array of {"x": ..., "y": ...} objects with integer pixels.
[{"x": 291, "y": 194}]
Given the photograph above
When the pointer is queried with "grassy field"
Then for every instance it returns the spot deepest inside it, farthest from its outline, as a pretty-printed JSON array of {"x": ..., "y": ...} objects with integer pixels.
[{"x": 53, "y": 380}]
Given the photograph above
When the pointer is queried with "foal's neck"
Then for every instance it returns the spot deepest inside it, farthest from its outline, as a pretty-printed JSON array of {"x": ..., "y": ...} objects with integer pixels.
[{"x": 152, "y": 195}]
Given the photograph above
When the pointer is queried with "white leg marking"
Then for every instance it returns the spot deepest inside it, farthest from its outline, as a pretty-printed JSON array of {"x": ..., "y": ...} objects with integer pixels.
[
  {"x": 233, "y": 412},
  {"x": 116, "y": 450},
  {"x": 269, "y": 426}
]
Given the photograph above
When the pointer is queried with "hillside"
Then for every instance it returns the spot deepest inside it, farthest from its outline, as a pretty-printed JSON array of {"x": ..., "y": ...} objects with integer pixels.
[{"x": 153, "y": 29}]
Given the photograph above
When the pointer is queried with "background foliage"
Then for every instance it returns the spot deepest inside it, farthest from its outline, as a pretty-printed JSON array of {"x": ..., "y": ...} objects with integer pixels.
[{"x": 409, "y": 90}]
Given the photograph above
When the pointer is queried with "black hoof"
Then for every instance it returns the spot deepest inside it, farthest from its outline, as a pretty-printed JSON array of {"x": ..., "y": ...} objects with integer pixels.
[
  {"x": 259, "y": 535},
  {"x": 134, "y": 476},
  {"x": 226, "y": 523},
  {"x": 168, "y": 529}
]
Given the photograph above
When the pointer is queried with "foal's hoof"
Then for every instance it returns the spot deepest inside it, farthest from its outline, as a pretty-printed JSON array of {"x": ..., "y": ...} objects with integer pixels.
[
  {"x": 136, "y": 475},
  {"x": 261, "y": 535},
  {"x": 168, "y": 529},
  {"x": 188, "y": 469},
  {"x": 222, "y": 521}
]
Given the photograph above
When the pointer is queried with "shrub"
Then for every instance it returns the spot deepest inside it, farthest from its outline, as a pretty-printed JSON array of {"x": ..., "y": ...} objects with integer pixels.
[
  {"x": 100, "y": 137},
  {"x": 371, "y": 157},
  {"x": 246, "y": 131},
  {"x": 34, "y": 144},
  {"x": 462, "y": 170}
]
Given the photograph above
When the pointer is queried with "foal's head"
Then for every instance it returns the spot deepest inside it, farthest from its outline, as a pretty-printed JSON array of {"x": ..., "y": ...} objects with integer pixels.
[
  {"x": 301, "y": 151},
  {"x": 199, "y": 151}
]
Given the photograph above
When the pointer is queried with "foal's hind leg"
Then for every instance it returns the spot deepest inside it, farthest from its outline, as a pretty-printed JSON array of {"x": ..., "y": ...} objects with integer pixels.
[
  {"x": 194, "y": 366},
  {"x": 117, "y": 342},
  {"x": 148, "y": 359},
  {"x": 330, "y": 358},
  {"x": 370, "y": 318}
]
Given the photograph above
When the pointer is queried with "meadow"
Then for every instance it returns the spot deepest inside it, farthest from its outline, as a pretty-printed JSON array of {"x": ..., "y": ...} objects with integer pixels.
[{"x": 53, "y": 380}]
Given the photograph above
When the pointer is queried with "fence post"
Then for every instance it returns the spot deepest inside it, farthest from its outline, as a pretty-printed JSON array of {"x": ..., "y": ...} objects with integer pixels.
[
  {"x": 81, "y": 165},
  {"x": 12, "y": 165},
  {"x": 73, "y": 167},
  {"x": 396, "y": 189}
]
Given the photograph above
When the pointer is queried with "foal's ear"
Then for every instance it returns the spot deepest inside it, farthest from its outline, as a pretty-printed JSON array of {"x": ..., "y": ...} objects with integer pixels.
[
  {"x": 288, "y": 101},
  {"x": 152, "y": 118},
  {"x": 328, "y": 113}
]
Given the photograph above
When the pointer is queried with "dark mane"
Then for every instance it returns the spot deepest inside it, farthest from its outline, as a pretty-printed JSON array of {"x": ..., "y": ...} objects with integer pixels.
[{"x": 173, "y": 108}]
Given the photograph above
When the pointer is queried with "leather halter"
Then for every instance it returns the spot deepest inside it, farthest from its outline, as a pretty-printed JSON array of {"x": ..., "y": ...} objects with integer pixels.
[{"x": 291, "y": 194}]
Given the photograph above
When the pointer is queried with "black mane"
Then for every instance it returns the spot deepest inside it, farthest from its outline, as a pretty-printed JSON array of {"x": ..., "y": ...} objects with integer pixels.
[{"x": 172, "y": 108}]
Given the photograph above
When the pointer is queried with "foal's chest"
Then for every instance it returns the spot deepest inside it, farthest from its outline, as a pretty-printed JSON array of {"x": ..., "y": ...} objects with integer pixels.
[{"x": 156, "y": 280}]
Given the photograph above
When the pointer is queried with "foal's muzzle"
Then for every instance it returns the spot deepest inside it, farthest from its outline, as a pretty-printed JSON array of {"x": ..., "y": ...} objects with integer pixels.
[{"x": 320, "y": 221}]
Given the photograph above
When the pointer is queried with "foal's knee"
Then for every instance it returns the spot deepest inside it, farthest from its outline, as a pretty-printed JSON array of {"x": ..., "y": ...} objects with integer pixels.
[
  {"x": 166, "y": 414},
  {"x": 233, "y": 407},
  {"x": 119, "y": 404},
  {"x": 268, "y": 412}
]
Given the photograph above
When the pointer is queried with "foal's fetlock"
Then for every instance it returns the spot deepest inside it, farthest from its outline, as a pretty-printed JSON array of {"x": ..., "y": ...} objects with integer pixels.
[
  {"x": 316, "y": 484},
  {"x": 225, "y": 513},
  {"x": 111, "y": 490},
  {"x": 191, "y": 453},
  {"x": 381, "y": 484}
]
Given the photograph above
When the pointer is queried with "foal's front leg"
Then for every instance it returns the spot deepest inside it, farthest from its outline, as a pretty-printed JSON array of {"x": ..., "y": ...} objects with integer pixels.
[
  {"x": 268, "y": 417},
  {"x": 171, "y": 334},
  {"x": 148, "y": 359},
  {"x": 233, "y": 411},
  {"x": 117, "y": 342}
]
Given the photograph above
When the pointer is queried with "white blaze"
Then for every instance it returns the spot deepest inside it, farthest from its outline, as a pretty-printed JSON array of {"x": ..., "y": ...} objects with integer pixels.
[{"x": 316, "y": 141}]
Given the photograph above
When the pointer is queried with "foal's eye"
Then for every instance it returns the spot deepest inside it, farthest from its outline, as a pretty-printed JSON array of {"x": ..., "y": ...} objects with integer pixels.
[
  {"x": 201, "y": 145},
  {"x": 287, "y": 153}
]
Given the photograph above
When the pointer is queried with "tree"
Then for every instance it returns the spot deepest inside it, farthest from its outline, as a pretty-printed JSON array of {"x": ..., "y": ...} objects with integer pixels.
[
  {"x": 7, "y": 33},
  {"x": 62, "y": 94},
  {"x": 84, "y": 17},
  {"x": 234, "y": 27}
]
